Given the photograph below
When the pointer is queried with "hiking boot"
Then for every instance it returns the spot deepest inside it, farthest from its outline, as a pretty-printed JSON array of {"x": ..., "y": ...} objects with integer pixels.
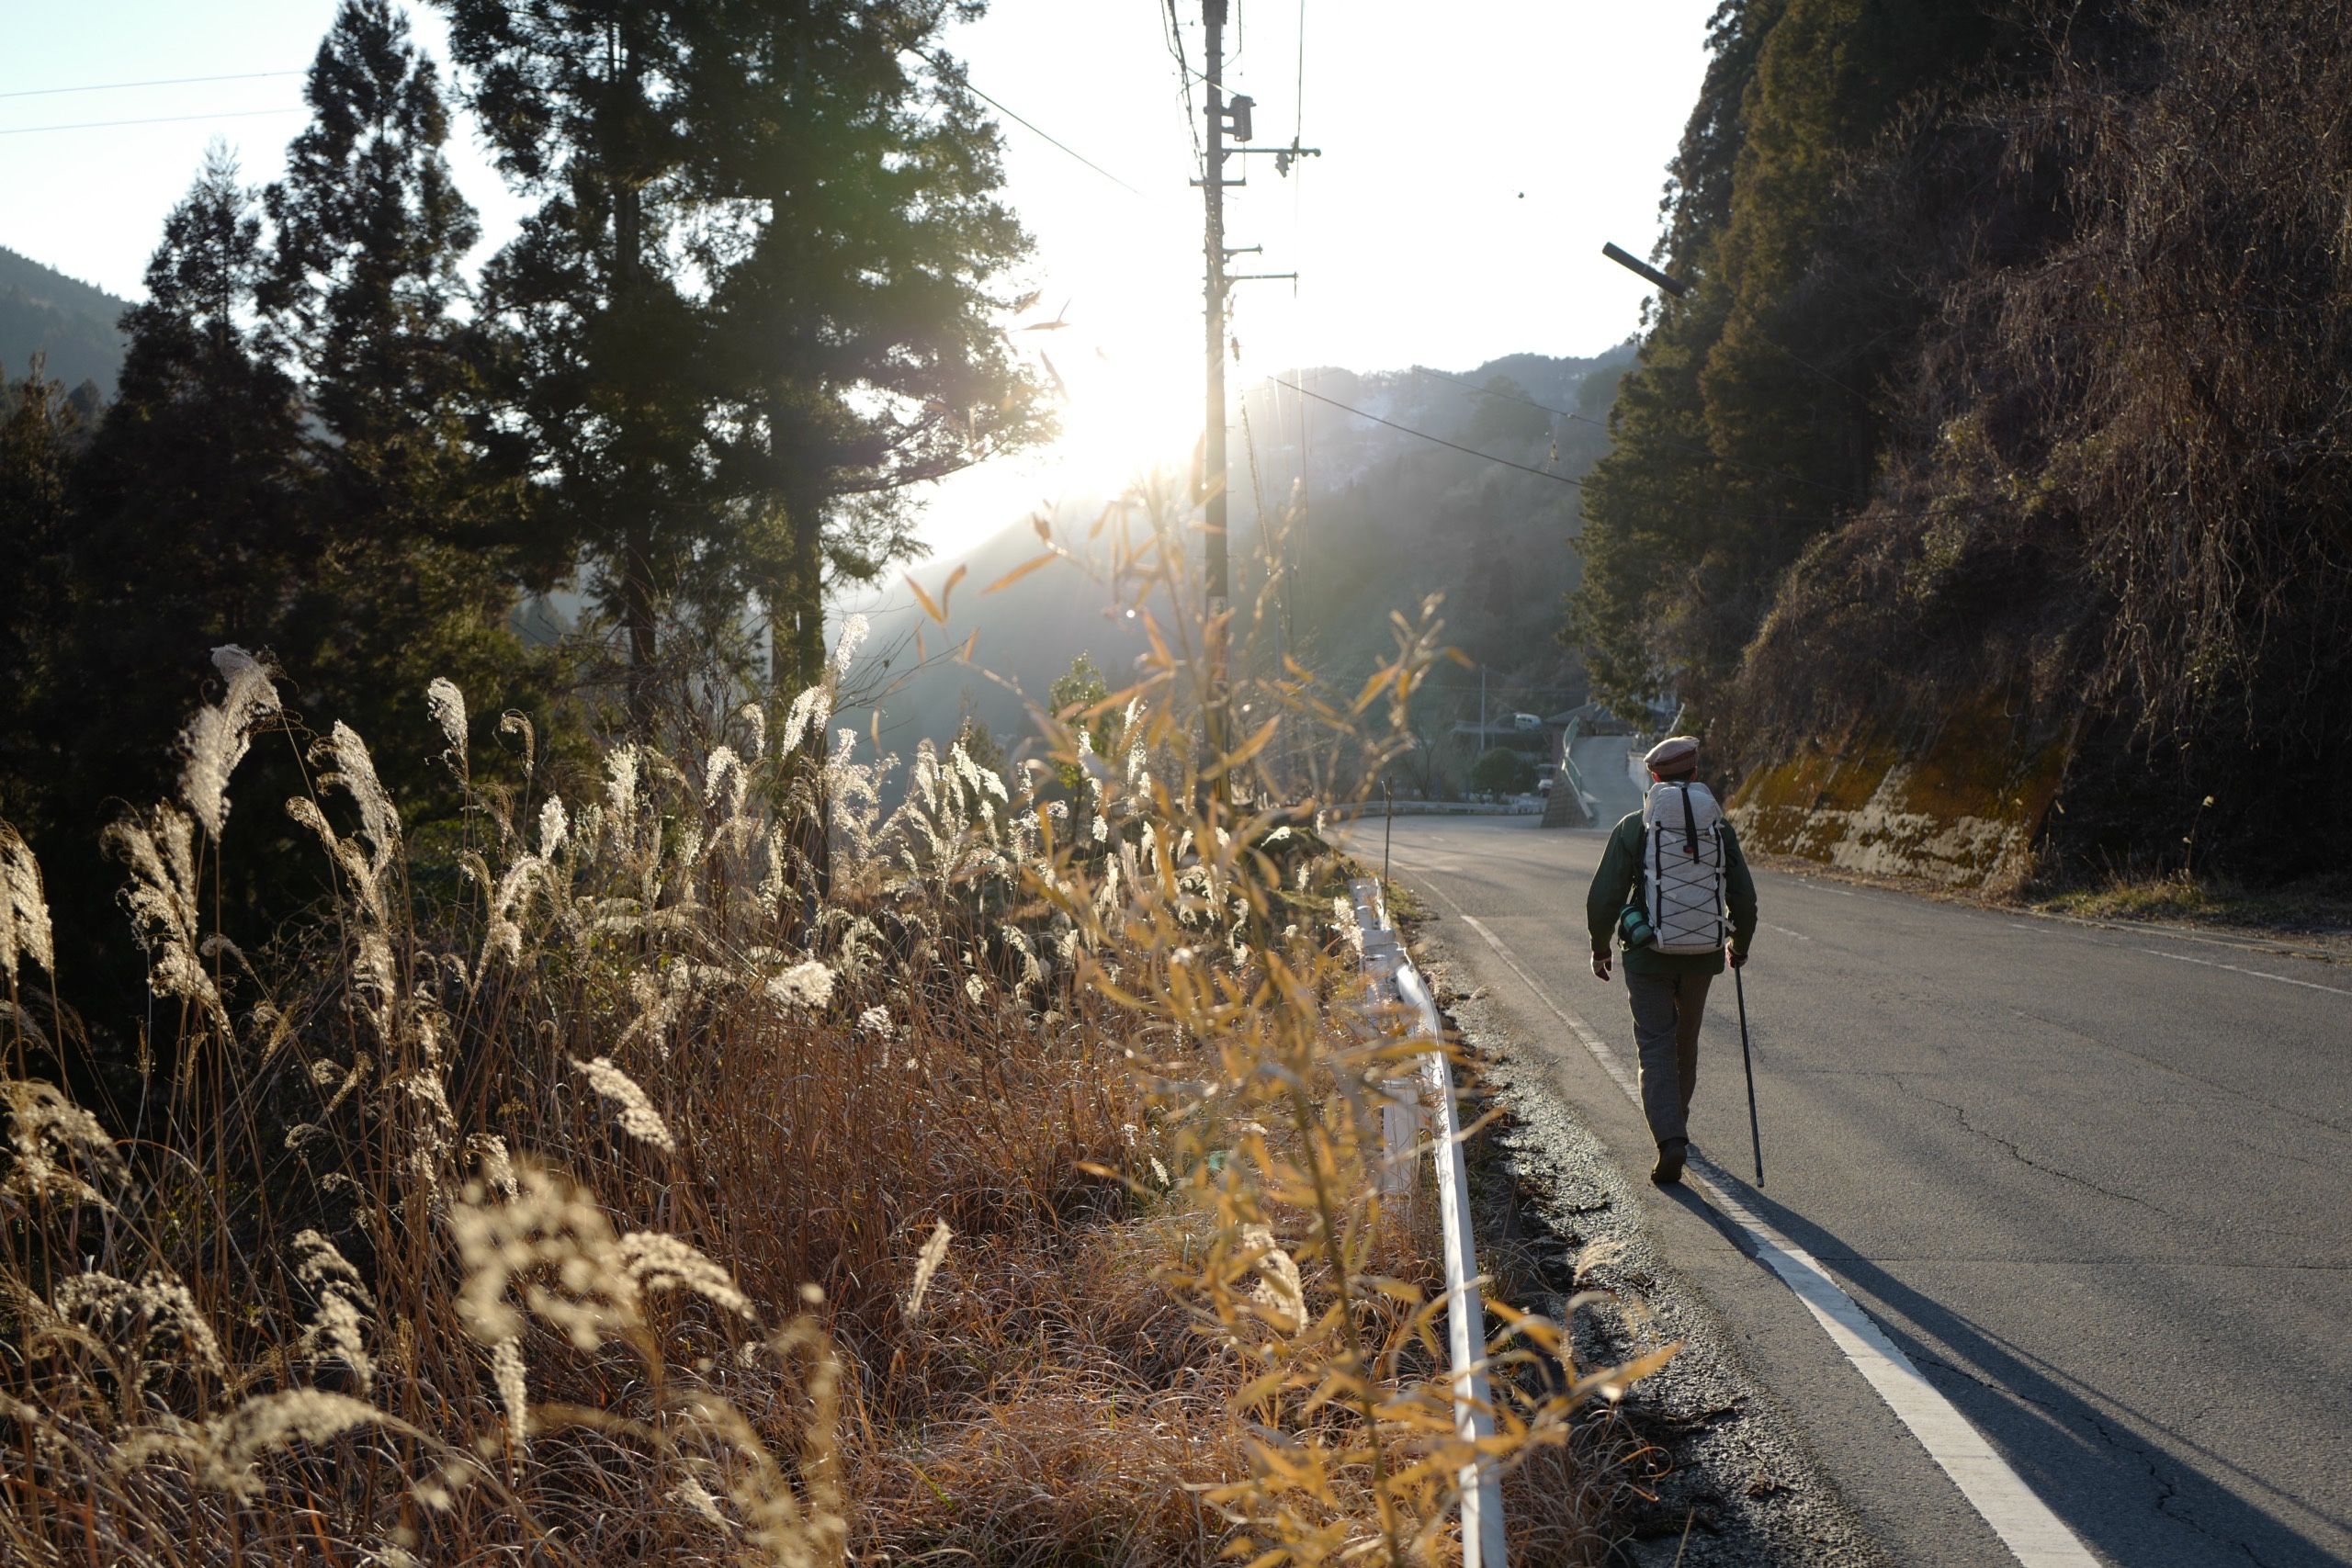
[{"x": 1668, "y": 1169}]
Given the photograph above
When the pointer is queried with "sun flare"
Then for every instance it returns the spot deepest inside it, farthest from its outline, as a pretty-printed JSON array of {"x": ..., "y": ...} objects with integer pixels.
[{"x": 1127, "y": 400}]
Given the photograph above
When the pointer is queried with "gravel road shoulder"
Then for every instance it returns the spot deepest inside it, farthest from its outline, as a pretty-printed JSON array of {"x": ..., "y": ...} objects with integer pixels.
[{"x": 1731, "y": 1482}]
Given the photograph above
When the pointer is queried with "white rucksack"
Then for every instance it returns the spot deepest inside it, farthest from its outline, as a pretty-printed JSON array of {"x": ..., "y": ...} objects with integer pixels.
[{"x": 1682, "y": 866}]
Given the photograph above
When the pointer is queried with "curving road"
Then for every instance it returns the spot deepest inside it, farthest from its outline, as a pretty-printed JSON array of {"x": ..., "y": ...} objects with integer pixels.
[{"x": 2095, "y": 1184}]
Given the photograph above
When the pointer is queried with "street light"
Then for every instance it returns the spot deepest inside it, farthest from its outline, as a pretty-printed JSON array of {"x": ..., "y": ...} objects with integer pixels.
[{"x": 1633, "y": 263}]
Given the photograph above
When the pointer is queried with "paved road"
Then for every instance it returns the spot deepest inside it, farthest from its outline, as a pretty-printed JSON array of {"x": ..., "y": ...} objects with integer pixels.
[
  {"x": 1600, "y": 763},
  {"x": 2097, "y": 1184}
]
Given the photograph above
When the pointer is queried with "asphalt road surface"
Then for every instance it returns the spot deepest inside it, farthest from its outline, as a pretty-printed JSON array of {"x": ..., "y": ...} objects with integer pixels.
[{"x": 2095, "y": 1183}]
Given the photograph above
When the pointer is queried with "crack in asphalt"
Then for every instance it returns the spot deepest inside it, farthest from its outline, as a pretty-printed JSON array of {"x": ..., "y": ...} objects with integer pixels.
[
  {"x": 2167, "y": 1489},
  {"x": 2266, "y": 1153},
  {"x": 1960, "y": 1114},
  {"x": 2296, "y": 1113}
]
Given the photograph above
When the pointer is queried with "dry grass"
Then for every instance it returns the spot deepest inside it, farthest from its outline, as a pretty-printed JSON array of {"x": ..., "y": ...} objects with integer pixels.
[
  {"x": 2318, "y": 910},
  {"x": 1004, "y": 1196}
]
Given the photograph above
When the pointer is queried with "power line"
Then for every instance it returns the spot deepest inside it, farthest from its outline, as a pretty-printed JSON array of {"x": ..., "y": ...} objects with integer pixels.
[
  {"x": 964, "y": 81},
  {"x": 1775, "y": 517},
  {"x": 1438, "y": 440},
  {"x": 1202, "y": 77},
  {"x": 1710, "y": 454},
  {"x": 1298, "y": 93},
  {"x": 1185, "y": 74},
  {"x": 157, "y": 82},
  {"x": 158, "y": 120},
  {"x": 1602, "y": 425},
  {"x": 1855, "y": 509}
]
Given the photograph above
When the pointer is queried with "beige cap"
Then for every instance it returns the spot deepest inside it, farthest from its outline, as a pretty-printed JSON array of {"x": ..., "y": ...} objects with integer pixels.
[{"x": 1671, "y": 753}]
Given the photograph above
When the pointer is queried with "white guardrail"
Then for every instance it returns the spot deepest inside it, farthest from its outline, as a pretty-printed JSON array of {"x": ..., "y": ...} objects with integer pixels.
[
  {"x": 1373, "y": 810},
  {"x": 1391, "y": 977}
]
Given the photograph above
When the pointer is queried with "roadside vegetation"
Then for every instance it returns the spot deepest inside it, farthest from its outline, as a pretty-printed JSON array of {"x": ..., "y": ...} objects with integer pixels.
[
  {"x": 2319, "y": 908},
  {"x": 602, "y": 1176}
]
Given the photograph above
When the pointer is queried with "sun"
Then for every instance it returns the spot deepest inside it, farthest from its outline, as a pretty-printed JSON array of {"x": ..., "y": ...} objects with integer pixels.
[{"x": 1127, "y": 391}]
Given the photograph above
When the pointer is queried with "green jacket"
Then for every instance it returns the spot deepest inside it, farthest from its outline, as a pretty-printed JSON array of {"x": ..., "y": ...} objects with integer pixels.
[{"x": 1618, "y": 883}]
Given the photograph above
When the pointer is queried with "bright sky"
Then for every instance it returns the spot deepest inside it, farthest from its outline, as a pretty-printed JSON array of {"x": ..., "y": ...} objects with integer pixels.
[{"x": 1474, "y": 158}]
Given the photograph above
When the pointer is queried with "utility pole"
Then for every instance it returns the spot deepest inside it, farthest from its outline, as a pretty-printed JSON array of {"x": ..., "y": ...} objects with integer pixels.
[
  {"x": 1223, "y": 113},
  {"x": 1214, "y": 731}
]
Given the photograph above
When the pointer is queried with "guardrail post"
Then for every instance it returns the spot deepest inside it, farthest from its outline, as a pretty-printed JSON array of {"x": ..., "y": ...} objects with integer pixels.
[
  {"x": 1387, "y": 826},
  {"x": 1400, "y": 1140}
]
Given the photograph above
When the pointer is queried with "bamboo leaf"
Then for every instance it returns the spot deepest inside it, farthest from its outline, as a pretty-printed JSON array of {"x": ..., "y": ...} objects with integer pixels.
[
  {"x": 1024, "y": 569},
  {"x": 1252, "y": 747},
  {"x": 930, "y": 605}
]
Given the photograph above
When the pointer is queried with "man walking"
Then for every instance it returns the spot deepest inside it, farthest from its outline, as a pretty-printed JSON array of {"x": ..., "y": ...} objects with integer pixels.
[{"x": 1665, "y": 881}]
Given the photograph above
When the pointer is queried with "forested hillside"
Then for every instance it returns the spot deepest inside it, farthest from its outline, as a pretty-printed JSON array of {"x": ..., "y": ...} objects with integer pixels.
[
  {"x": 2002, "y": 435},
  {"x": 1391, "y": 518},
  {"x": 70, "y": 325}
]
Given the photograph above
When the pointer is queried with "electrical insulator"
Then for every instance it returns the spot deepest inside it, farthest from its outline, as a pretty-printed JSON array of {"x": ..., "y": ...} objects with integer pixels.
[{"x": 1238, "y": 113}]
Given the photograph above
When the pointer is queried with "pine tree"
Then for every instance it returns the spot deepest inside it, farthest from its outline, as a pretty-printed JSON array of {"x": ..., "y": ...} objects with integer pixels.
[
  {"x": 1074, "y": 693},
  {"x": 192, "y": 530},
  {"x": 855, "y": 326},
  {"x": 371, "y": 233},
  {"x": 40, "y": 430},
  {"x": 600, "y": 347}
]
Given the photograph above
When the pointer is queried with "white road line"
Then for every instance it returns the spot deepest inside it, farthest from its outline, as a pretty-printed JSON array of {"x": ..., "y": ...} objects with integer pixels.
[
  {"x": 2257, "y": 973},
  {"x": 2035, "y": 1536},
  {"x": 2169, "y": 933},
  {"x": 1783, "y": 930}
]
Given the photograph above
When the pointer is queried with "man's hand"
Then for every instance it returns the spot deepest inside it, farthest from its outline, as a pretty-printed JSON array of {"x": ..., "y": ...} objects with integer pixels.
[
  {"x": 1738, "y": 959},
  {"x": 1600, "y": 962}
]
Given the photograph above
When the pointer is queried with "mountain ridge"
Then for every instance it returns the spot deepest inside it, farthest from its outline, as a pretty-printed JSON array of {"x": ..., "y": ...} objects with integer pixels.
[
  {"x": 1390, "y": 518},
  {"x": 71, "y": 325}
]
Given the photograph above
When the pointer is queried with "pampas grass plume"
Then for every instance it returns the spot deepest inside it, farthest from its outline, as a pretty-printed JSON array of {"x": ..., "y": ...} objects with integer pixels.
[
  {"x": 448, "y": 706},
  {"x": 934, "y": 1253},
  {"x": 638, "y": 1118}
]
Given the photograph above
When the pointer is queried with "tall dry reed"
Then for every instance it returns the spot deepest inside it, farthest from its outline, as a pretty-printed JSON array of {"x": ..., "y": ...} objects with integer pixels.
[{"x": 1001, "y": 1185}]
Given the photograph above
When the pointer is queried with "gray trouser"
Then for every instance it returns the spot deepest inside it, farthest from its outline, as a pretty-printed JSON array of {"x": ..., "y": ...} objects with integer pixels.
[{"x": 1666, "y": 1010}]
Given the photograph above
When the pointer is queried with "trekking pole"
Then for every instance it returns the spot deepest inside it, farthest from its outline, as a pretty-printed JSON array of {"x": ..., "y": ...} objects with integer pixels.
[{"x": 1754, "y": 1135}]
